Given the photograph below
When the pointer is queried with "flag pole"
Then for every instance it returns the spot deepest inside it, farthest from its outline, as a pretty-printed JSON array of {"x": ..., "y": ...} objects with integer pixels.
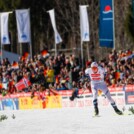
[
  {"x": 81, "y": 43},
  {"x": 1, "y": 54},
  {"x": 30, "y": 43},
  {"x": 82, "y": 53},
  {"x": 113, "y": 25},
  {"x": 55, "y": 48}
]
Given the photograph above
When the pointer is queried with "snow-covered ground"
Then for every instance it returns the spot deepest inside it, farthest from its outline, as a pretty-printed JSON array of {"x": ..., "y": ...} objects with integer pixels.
[{"x": 66, "y": 121}]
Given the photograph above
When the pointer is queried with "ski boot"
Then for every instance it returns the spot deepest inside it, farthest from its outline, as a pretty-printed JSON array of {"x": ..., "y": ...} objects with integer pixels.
[
  {"x": 74, "y": 95},
  {"x": 71, "y": 98},
  {"x": 96, "y": 110},
  {"x": 116, "y": 109}
]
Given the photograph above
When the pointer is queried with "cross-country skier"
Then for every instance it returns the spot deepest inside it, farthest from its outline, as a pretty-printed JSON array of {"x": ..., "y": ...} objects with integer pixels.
[{"x": 96, "y": 75}]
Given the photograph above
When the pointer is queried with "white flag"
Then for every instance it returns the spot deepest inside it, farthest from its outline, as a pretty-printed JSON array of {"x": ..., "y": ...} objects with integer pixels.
[
  {"x": 4, "y": 28},
  {"x": 84, "y": 24},
  {"x": 23, "y": 25},
  {"x": 57, "y": 35}
]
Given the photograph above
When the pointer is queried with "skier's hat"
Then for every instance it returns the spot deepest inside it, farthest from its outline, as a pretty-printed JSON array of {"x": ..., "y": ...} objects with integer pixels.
[{"x": 94, "y": 64}]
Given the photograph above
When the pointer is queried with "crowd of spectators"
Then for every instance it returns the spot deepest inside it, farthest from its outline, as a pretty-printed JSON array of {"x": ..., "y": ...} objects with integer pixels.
[{"x": 64, "y": 72}]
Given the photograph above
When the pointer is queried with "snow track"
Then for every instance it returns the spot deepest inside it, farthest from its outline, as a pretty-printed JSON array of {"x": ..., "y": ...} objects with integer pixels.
[{"x": 66, "y": 121}]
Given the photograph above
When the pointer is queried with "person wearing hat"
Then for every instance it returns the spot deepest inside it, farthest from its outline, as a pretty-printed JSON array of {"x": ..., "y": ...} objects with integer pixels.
[
  {"x": 62, "y": 85},
  {"x": 96, "y": 75}
]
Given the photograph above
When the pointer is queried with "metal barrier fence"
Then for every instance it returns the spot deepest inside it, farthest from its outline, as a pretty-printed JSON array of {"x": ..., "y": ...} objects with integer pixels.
[{"x": 18, "y": 101}]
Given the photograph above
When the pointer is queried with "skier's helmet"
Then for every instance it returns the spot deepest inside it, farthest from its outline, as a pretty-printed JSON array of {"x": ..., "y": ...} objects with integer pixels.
[{"x": 94, "y": 67}]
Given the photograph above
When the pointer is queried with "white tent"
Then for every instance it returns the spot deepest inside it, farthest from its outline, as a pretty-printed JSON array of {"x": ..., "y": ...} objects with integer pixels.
[{"x": 11, "y": 56}]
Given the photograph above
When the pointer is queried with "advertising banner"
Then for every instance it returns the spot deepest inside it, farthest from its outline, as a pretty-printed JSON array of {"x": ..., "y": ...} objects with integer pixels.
[
  {"x": 36, "y": 103},
  {"x": 9, "y": 104},
  {"x": 1, "y": 107},
  {"x": 84, "y": 23},
  {"x": 4, "y": 28},
  {"x": 25, "y": 103},
  {"x": 23, "y": 25},
  {"x": 54, "y": 102},
  {"x": 106, "y": 26},
  {"x": 57, "y": 35},
  {"x": 28, "y": 103}
]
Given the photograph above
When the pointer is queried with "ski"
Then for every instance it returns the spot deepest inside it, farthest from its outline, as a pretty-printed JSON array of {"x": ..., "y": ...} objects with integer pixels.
[
  {"x": 94, "y": 116},
  {"x": 124, "y": 114}
]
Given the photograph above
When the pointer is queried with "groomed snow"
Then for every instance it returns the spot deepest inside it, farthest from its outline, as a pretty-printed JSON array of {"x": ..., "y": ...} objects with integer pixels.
[{"x": 66, "y": 121}]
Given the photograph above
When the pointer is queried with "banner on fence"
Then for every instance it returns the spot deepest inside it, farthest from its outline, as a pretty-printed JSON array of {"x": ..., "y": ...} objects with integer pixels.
[{"x": 54, "y": 101}]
